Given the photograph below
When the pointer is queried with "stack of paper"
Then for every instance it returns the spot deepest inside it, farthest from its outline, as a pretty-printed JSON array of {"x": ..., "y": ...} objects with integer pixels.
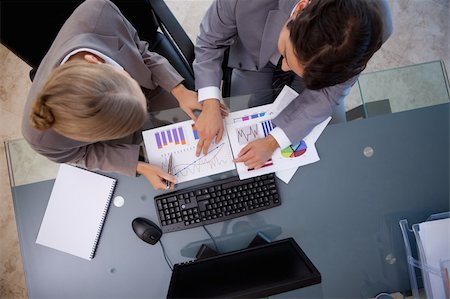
[{"x": 433, "y": 238}]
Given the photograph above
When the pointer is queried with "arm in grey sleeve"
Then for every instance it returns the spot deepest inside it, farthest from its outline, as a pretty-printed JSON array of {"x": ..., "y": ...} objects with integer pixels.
[
  {"x": 163, "y": 73},
  {"x": 119, "y": 158},
  {"x": 305, "y": 112},
  {"x": 310, "y": 108},
  {"x": 217, "y": 33}
]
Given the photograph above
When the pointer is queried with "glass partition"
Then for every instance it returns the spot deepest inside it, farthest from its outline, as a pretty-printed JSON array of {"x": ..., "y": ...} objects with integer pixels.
[
  {"x": 404, "y": 88},
  {"x": 25, "y": 166}
]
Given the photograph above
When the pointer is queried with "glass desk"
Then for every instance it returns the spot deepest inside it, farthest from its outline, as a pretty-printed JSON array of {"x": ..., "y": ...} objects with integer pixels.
[{"x": 346, "y": 224}]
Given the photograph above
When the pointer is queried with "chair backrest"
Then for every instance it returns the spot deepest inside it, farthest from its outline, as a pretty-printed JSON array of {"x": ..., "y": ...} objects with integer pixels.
[
  {"x": 174, "y": 43},
  {"x": 28, "y": 28},
  {"x": 226, "y": 77}
]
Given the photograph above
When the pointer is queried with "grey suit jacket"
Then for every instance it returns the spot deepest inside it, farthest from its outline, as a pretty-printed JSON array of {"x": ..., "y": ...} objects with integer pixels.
[
  {"x": 250, "y": 28},
  {"x": 98, "y": 25}
]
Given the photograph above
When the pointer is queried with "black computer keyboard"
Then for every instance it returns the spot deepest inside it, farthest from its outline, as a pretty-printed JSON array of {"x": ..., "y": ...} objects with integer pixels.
[{"x": 215, "y": 202}]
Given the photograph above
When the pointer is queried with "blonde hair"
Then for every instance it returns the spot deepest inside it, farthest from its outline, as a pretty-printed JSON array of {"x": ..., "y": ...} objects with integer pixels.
[{"x": 88, "y": 102}]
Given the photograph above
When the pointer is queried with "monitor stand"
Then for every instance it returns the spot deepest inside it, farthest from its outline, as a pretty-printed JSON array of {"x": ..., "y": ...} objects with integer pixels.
[
  {"x": 259, "y": 239},
  {"x": 204, "y": 251}
]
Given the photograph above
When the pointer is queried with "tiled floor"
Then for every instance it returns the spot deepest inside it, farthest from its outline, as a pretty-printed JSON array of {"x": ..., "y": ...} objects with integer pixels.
[{"x": 421, "y": 34}]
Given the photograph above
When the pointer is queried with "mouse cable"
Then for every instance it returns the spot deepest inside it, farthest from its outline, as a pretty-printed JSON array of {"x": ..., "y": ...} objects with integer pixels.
[
  {"x": 212, "y": 238},
  {"x": 165, "y": 256}
]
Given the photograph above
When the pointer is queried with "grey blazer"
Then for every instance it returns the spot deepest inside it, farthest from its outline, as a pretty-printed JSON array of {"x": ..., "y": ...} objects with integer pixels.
[
  {"x": 250, "y": 28},
  {"x": 98, "y": 25}
]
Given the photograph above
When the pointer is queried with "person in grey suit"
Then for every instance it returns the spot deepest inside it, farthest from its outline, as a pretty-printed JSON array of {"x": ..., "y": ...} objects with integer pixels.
[
  {"x": 86, "y": 105},
  {"x": 325, "y": 43}
]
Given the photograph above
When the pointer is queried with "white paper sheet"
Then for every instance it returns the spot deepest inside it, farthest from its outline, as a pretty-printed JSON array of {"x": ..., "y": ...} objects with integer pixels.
[
  {"x": 284, "y": 98},
  {"x": 241, "y": 133},
  {"x": 435, "y": 239},
  {"x": 181, "y": 140},
  {"x": 286, "y": 175}
]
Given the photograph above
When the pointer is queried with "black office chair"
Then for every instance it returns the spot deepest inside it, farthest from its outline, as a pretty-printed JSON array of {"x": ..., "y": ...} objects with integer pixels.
[
  {"x": 226, "y": 76},
  {"x": 28, "y": 28},
  {"x": 173, "y": 43}
]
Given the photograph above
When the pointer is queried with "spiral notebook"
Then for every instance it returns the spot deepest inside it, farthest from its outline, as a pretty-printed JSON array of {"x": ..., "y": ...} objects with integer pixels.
[{"x": 76, "y": 211}]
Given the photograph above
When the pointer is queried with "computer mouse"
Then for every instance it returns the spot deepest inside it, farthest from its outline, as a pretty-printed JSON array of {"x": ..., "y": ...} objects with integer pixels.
[{"x": 146, "y": 230}]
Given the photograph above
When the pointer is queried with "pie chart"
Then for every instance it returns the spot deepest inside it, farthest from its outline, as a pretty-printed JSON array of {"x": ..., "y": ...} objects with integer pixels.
[{"x": 295, "y": 150}]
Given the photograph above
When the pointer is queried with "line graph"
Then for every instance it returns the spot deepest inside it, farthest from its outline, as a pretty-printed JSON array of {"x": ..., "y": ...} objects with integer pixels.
[
  {"x": 218, "y": 159},
  {"x": 247, "y": 134},
  {"x": 198, "y": 162}
]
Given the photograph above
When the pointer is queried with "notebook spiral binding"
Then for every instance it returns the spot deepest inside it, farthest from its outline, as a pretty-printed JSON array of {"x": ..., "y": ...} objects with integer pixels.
[{"x": 102, "y": 221}]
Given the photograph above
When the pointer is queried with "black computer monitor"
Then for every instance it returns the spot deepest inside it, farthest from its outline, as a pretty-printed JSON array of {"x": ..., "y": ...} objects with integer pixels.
[{"x": 257, "y": 271}]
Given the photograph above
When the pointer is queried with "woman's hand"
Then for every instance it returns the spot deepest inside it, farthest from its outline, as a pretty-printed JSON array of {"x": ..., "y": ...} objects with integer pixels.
[
  {"x": 258, "y": 152},
  {"x": 155, "y": 175},
  {"x": 187, "y": 99}
]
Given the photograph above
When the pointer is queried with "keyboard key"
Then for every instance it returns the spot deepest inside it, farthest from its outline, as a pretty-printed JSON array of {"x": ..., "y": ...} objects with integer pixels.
[
  {"x": 202, "y": 206},
  {"x": 203, "y": 197},
  {"x": 171, "y": 199},
  {"x": 236, "y": 183}
]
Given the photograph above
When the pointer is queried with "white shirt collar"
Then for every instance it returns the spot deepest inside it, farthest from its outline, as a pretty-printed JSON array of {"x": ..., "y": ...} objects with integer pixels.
[
  {"x": 107, "y": 59},
  {"x": 295, "y": 7}
]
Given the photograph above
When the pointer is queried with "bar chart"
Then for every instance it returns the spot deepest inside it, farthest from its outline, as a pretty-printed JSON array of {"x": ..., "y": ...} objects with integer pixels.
[{"x": 174, "y": 136}]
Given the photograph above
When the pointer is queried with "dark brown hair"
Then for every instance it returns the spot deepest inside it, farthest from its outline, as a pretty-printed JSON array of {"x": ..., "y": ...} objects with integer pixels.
[{"x": 334, "y": 39}]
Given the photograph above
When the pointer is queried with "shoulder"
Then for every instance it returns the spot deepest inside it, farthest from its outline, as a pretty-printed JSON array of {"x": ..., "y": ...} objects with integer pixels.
[
  {"x": 385, "y": 12},
  {"x": 96, "y": 9},
  {"x": 226, "y": 3},
  {"x": 101, "y": 17},
  {"x": 88, "y": 5},
  {"x": 221, "y": 7},
  {"x": 87, "y": 15}
]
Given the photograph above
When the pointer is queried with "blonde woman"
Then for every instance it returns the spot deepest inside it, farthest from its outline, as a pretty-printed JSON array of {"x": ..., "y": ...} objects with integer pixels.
[{"x": 86, "y": 104}]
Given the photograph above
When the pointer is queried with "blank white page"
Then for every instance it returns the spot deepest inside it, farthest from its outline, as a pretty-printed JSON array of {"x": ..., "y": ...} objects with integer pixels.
[
  {"x": 435, "y": 238},
  {"x": 76, "y": 210}
]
